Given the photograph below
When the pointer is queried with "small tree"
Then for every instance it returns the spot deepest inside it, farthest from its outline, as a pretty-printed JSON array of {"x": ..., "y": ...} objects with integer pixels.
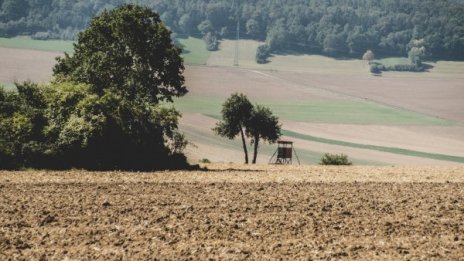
[
  {"x": 368, "y": 56},
  {"x": 416, "y": 55},
  {"x": 262, "y": 53},
  {"x": 417, "y": 52},
  {"x": 262, "y": 125},
  {"x": 236, "y": 112}
]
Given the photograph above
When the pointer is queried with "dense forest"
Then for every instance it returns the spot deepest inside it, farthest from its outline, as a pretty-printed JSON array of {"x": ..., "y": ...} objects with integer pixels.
[{"x": 332, "y": 27}]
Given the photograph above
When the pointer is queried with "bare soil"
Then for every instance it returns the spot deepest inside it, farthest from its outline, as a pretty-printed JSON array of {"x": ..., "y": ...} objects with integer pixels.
[{"x": 234, "y": 212}]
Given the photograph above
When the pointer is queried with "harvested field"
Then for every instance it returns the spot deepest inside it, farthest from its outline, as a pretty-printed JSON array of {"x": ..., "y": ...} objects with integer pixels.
[
  {"x": 436, "y": 97},
  {"x": 234, "y": 212},
  {"x": 22, "y": 65}
]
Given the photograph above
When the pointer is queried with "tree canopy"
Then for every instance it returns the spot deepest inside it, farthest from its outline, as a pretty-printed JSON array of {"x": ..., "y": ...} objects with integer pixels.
[
  {"x": 262, "y": 125},
  {"x": 129, "y": 51},
  {"x": 239, "y": 116},
  {"x": 236, "y": 112}
]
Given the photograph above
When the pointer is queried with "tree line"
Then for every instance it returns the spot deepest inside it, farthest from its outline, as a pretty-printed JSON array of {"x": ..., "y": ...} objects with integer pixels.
[{"x": 336, "y": 27}]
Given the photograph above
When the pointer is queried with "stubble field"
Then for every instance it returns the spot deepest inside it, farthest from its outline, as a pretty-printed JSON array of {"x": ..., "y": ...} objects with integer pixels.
[{"x": 234, "y": 212}]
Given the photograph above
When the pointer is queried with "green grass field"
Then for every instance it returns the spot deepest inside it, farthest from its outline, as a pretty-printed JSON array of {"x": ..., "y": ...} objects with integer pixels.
[
  {"x": 8, "y": 86},
  {"x": 25, "y": 42},
  {"x": 194, "y": 51},
  {"x": 392, "y": 61},
  {"x": 339, "y": 112},
  {"x": 289, "y": 62}
]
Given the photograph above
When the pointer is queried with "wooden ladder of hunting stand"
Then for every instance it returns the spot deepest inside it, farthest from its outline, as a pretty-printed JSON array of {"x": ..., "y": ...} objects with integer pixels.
[{"x": 284, "y": 153}]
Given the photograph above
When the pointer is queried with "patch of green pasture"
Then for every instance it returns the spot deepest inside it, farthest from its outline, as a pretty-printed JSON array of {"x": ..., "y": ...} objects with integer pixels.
[
  {"x": 392, "y": 61},
  {"x": 285, "y": 62},
  {"x": 8, "y": 86},
  {"x": 195, "y": 51},
  {"x": 209, "y": 105},
  {"x": 24, "y": 42},
  {"x": 351, "y": 112},
  {"x": 335, "y": 112},
  {"x": 374, "y": 147}
]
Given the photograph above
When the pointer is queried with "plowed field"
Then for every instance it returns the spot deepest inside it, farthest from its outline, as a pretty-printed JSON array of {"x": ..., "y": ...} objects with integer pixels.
[{"x": 234, "y": 212}]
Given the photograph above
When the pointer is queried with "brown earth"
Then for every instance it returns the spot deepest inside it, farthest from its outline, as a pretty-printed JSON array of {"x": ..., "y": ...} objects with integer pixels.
[{"x": 234, "y": 212}]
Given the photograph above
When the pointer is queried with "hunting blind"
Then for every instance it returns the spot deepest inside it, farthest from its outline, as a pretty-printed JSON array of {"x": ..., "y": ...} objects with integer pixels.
[{"x": 284, "y": 153}]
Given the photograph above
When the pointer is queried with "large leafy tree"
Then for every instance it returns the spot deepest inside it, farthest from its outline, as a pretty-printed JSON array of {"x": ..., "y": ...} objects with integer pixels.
[
  {"x": 127, "y": 59},
  {"x": 102, "y": 110},
  {"x": 129, "y": 51},
  {"x": 236, "y": 112},
  {"x": 262, "y": 125}
]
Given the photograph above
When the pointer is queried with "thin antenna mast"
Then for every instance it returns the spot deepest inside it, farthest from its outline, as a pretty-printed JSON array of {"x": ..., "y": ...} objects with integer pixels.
[{"x": 238, "y": 35}]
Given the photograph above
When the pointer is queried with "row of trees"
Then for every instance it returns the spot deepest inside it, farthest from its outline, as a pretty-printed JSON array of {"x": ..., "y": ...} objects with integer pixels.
[
  {"x": 240, "y": 117},
  {"x": 337, "y": 27},
  {"x": 102, "y": 111}
]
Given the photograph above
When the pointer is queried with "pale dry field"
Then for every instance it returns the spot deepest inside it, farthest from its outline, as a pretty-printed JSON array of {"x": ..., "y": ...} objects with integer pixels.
[
  {"x": 411, "y": 138},
  {"x": 22, "y": 65},
  {"x": 234, "y": 212},
  {"x": 436, "y": 97}
]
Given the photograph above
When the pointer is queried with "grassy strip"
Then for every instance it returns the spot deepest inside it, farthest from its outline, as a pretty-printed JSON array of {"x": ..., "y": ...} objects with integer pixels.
[
  {"x": 374, "y": 147},
  {"x": 24, "y": 42},
  {"x": 392, "y": 61},
  {"x": 338, "y": 112},
  {"x": 194, "y": 51},
  {"x": 8, "y": 86}
]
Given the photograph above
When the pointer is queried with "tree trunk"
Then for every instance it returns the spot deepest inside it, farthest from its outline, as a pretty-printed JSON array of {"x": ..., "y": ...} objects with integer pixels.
[
  {"x": 244, "y": 145},
  {"x": 255, "y": 153}
]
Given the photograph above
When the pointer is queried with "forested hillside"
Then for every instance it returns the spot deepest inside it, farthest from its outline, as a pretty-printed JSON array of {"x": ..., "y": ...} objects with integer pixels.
[{"x": 333, "y": 27}]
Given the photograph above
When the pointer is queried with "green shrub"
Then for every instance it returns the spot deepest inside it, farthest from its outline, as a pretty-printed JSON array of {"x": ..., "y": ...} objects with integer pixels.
[
  {"x": 335, "y": 159},
  {"x": 376, "y": 68}
]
